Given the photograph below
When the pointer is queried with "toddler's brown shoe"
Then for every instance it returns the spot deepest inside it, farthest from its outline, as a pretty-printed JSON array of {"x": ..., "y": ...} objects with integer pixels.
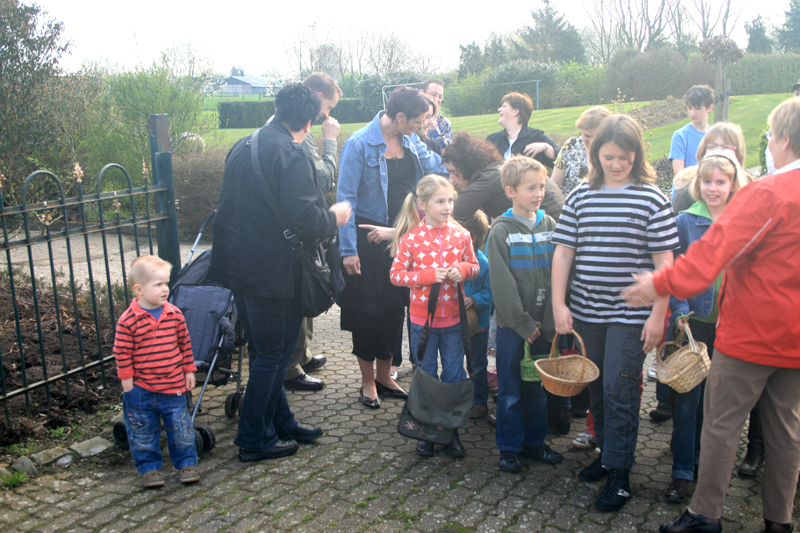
[
  {"x": 189, "y": 474},
  {"x": 152, "y": 479}
]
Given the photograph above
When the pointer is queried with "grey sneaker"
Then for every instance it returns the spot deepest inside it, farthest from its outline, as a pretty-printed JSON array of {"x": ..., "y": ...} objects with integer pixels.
[
  {"x": 189, "y": 474},
  {"x": 152, "y": 479}
]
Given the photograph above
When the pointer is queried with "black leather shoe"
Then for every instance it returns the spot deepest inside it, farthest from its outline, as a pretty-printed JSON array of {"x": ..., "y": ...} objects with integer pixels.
[
  {"x": 304, "y": 382},
  {"x": 579, "y": 413},
  {"x": 661, "y": 412},
  {"x": 774, "y": 527},
  {"x": 305, "y": 434},
  {"x": 372, "y": 403},
  {"x": 676, "y": 492},
  {"x": 594, "y": 472},
  {"x": 279, "y": 449},
  {"x": 543, "y": 454},
  {"x": 425, "y": 448},
  {"x": 491, "y": 418},
  {"x": 383, "y": 390},
  {"x": 616, "y": 493},
  {"x": 509, "y": 462},
  {"x": 317, "y": 362},
  {"x": 752, "y": 462},
  {"x": 692, "y": 523},
  {"x": 455, "y": 448},
  {"x": 560, "y": 419}
]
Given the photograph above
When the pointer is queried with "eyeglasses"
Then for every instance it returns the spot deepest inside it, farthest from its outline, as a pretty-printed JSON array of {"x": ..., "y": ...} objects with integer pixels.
[
  {"x": 721, "y": 147},
  {"x": 769, "y": 135}
]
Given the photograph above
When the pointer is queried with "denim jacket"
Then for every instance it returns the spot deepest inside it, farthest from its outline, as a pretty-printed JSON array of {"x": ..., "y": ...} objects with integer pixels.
[
  {"x": 364, "y": 179},
  {"x": 692, "y": 225}
]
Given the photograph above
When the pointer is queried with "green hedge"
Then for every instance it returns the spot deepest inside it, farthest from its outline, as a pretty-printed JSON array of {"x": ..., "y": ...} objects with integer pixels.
[
  {"x": 245, "y": 114},
  {"x": 348, "y": 111},
  {"x": 764, "y": 74}
]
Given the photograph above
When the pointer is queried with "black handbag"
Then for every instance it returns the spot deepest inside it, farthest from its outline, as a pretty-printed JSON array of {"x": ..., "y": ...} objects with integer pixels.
[
  {"x": 320, "y": 283},
  {"x": 434, "y": 409}
]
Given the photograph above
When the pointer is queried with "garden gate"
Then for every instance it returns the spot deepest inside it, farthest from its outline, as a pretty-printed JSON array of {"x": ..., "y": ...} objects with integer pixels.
[{"x": 57, "y": 323}]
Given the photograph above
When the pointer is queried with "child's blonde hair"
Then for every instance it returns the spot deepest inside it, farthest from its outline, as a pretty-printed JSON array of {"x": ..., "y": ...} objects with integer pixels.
[
  {"x": 478, "y": 227},
  {"x": 513, "y": 170},
  {"x": 142, "y": 269},
  {"x": 724, "y": 163},
  {"x": 684, "y": 177},
  {"x": 408, "y": 217},
  {"x": 730, "y": 133}
]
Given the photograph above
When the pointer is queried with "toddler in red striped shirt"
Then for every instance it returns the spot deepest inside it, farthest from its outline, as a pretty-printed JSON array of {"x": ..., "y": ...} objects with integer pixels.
[{"x": 156, "y": 367}]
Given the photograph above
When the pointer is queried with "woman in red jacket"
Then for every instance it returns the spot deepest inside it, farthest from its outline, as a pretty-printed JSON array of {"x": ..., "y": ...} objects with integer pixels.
[{"x": 756, "y": 242}]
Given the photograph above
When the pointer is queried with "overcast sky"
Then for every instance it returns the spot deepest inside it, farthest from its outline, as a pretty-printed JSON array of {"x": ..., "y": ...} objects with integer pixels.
[{"x": 254, "y": 34}]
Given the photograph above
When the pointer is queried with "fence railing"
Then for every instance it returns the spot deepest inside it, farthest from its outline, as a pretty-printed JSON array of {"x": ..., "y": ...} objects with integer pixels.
[{"x": 65, "y": 272}]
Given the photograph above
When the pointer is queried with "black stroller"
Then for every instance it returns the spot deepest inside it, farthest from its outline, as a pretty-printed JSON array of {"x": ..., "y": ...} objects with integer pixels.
[{"x": 210, "y": 315}]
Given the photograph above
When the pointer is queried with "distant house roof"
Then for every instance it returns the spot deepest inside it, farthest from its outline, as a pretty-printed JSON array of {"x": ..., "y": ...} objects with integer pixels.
[{"x": 252, "y": 81}]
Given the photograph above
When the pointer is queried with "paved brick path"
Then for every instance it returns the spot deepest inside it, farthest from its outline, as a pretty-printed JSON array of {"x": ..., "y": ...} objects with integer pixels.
[{"x": 362, "y": 476}]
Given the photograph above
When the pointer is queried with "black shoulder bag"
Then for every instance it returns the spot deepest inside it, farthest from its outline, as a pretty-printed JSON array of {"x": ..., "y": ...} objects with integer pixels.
[
  {"x": 319, "y": 284},
  {"x": 434, "y": 409}
]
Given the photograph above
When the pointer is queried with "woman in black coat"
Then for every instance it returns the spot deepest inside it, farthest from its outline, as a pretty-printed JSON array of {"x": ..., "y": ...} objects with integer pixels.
[{"x": 517, "y": 137}]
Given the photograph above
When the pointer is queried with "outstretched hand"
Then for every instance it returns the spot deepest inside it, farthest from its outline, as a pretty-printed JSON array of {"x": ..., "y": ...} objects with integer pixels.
[
  {"x": 642, "y": 293},
  {"x": 378, "y": 234}
]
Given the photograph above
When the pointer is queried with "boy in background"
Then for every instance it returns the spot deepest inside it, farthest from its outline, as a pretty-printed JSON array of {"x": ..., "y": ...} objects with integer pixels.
[
  {"x": 156, "y": 367},
  {"x": 520, "y": 254},
  {"x": 478, "y": 295},
  {"x": 683, "y": 150}
]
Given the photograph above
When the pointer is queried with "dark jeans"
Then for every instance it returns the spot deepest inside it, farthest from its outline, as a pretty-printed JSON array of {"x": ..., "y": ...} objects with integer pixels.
[
  {"x": 271, "y": 327},
  {"x": 397, "y": 359},
  {"x": 687, "y": 418},
  {"x": 521, "y": 405},
  {"x": 617, "y": 351},
  {"x": 143, "y": 411},
  {"x": 480, "y": 362},
  {"x": 444, "y": 343}
]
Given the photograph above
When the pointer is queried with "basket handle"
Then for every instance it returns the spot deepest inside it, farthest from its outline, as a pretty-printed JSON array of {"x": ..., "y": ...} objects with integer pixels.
[{"x": 583, "y": 351}]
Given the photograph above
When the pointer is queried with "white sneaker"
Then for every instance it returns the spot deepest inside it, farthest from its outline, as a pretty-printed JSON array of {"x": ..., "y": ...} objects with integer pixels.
[
  {"x": 652, "y": 372},
  {"x": 584, "y": 441}
]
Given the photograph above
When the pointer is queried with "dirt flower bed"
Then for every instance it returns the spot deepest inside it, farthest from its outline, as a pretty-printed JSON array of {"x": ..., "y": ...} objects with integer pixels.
[{"x": 82, "y": 340}]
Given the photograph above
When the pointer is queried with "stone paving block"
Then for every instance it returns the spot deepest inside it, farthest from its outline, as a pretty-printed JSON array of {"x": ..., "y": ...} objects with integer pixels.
[
  {"x": 91, "y": 447},
  {"x": 48, "y": 456}
]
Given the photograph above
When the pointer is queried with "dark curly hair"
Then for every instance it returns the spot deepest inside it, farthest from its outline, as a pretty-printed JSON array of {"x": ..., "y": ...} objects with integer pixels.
[
  {"x": 470, "y": 154},
  {"x": 296, "y": 105}
]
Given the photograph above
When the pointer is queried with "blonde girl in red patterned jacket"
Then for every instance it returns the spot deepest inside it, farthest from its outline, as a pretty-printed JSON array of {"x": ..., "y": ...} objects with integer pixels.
[{"x": 434, "y": 250}]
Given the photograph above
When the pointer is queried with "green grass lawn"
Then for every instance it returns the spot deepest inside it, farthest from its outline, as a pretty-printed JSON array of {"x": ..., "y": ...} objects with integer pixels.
[{"x": 750, "y": 112}]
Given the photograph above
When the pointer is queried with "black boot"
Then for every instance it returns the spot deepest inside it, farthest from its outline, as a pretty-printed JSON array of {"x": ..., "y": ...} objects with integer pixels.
[
  {"x": 753, "y": 460},
  {"x": 455, "y": 448},
  {"x": 425, "y": 448},
  {"x": 616, "y": 493}
]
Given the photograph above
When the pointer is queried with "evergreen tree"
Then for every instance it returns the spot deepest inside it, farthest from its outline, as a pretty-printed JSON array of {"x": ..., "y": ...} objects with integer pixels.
[
  {"x": 551, "y": 39},
  {"x": 789, "y": 33},
  {"x": 758, "y": 42}
]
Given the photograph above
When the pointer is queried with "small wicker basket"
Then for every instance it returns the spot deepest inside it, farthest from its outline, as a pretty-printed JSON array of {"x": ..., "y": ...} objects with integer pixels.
[
  {"x": 527, "y": 367},
  {"x": 567, "y": 375},
  {"x": 687, "y": 366}
]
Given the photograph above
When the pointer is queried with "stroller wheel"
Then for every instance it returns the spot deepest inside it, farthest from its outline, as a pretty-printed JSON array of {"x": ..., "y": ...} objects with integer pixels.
[
  {"x": 232, "y": 403},
  {"x": 198, "y": 443},
  {"x": 207, "y": 436},
  {"x": 121, "y": 435}
]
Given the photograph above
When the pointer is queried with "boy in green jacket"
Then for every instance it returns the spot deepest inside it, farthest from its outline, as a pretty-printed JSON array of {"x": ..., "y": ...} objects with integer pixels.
[{"x": 520, "y": 251}]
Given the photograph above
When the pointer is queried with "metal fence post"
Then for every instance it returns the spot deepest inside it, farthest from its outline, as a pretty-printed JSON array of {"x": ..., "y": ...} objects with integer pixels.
[{"x": 161, "y": 159}]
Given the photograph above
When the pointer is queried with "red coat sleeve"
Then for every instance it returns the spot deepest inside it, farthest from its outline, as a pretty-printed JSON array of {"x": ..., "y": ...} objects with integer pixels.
[{"x": 745, "y": 222}]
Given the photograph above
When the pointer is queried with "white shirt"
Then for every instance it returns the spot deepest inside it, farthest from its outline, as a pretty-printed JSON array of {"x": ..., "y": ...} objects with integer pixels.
[{"x": 794, "y": 165}]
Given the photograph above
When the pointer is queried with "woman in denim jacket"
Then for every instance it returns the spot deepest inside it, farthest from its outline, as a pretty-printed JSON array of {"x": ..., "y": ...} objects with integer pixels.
[
  {"x": 718, "y": 178},
  {"x": 379, "y": 165}
]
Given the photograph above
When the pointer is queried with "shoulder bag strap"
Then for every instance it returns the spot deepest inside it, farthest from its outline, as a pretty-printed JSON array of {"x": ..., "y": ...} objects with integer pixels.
[
  {"x": 273, "y": 204},
  {"x": 465, "y": 338},
  {"x": 433, "y": 298}
]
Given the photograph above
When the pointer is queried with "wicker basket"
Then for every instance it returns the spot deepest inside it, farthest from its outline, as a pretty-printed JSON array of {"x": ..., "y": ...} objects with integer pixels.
[
  {"x": 527, "y": 367},
  {"x": 567, "y": 375},
  {"x": 687, "y": 366}
]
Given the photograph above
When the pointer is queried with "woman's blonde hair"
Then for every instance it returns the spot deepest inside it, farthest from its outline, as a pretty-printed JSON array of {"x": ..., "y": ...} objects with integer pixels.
[
  {"x": 730, "y": 133},
  {"x": 592, "y": 117},
  {"x": 408, "y": 217},
  {"x": 726, "y": 164}
]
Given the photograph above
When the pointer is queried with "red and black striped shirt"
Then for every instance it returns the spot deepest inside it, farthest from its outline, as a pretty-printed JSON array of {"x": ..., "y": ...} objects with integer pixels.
[{"x": 157, "y": 354}]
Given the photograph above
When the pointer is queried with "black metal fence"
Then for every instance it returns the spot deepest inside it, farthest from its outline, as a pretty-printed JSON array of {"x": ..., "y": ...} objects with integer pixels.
[{"x": 65, "y": 275}]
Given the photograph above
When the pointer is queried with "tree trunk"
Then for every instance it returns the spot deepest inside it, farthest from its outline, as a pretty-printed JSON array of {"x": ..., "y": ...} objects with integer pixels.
[{"x": 719, "y": 84}]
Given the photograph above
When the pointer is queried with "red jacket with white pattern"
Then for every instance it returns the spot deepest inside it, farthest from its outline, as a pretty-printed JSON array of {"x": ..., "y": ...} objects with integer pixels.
[{"x": 424, "y": 249}]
